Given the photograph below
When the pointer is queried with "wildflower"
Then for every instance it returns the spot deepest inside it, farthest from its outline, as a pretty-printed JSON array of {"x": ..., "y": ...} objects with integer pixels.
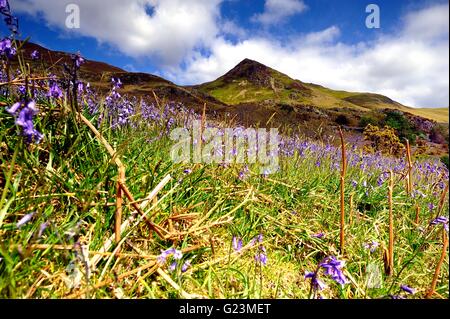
[
  {"x": 431, "y": 206},
  {"x": 35, "y": 55},
  {"x": 173, "y": 266},
  {"x": 25, "y": 119},
  {"x": 407, "y": 289},
  {"x": 354, "y": 183},
  {"x": 78, "y": 60},
  {"x": 177, "y": 255},
  {"x": 25, "y": 219},
  {"x": 237, "y": 243},
  {"x": 7, "y": 49},
  {"x": 22, "y": 90},
  {"x": 372, "y": 246},
  {"x": 261, "y": 258},
  {"x": 333, "y": 268},
  {"x": 187, "y": 171},
  {"x": 42, "y": 228},
  {"x": 316, "y": 282},
  {"x": 185, "y": 266},
  {"x": 11, "y": 22},
  {"x": 318, "y": 235},
  {"x": 441, "y": 220},
  {"x": 55, "y": 91}
]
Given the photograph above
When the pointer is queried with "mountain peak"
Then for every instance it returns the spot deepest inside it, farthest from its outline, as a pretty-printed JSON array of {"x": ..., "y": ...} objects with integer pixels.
[{"x": 252, "y": 71}]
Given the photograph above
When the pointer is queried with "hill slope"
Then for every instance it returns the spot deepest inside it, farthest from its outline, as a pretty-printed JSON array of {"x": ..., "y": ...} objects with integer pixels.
[{"x": 253, "y": 82}]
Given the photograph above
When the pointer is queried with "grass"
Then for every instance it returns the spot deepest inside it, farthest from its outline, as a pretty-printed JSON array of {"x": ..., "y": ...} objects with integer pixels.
[{"x": 70, "y": 182}]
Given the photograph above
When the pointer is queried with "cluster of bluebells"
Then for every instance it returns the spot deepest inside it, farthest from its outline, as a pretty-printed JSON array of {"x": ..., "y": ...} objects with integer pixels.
[
  {"x": 7, "y": 48},
  {"x": 11, "y": 21},
  {"x": 260, "y": 256},
  {"x": 372, "y": 246},
  {"x": 176, "y": 255},
  {"x": 404, "y": 291},
  {"x": 332, "y": 268},
  {"x": 441, "y": 221},
  {"x": 24, "y": 113}
]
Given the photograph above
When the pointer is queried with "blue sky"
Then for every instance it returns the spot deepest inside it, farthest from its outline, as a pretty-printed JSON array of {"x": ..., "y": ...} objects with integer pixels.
[{"x": 319, "y": 41}]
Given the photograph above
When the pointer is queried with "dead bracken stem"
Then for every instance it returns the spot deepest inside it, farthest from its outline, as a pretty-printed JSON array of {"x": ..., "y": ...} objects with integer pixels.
[
  {"x": 390, "y": 257},
  {"x": 416, "y": 220},
  {"x": 409, "y": 187},
  {"x": 343, "y": 173},
  {"x": 439, "y": 265},
  {"x": 442, "y": 201}
]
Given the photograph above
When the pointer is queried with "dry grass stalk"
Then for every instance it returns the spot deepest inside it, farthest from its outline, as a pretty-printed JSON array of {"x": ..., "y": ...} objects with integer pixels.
[
  {"x": 350, "y": 213},
  {"x": 409, "y": 187},
  {"x": 416, "y": 220},
  {"x": 120, "y": 179},
  {"x": 442, "y": 201},
  {"x": 125, "y": 225},
  {"x": 343, "y": 173},
  {"x": 439, "y": 265}
]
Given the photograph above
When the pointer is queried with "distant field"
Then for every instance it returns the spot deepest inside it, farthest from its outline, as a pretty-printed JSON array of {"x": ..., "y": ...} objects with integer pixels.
[{"x": 438, "y": 114}]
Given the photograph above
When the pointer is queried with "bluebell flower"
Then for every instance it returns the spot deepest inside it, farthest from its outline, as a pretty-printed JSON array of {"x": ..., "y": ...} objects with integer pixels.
[
  {"x": 372, "y": 246},
  {"x": 7, "y": 49},
  {"x": 441, "y": 220},
  {"x": 54, "y": 91},
  {"x": 25, "y": 219},
  {"x": 173, "y": 266},
  {"x": 35, "y": 55},
  {"x": 316, "y": 282},
  {"x": 407, "y": 289},
  {"x": 237, "y": 244},
  {"x": 333, "y": 268},
  {"x": 185, "y": 266}
]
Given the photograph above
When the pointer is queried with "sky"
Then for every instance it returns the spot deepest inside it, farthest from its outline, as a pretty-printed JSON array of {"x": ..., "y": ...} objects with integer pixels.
[{"x": 326, "y": 42}]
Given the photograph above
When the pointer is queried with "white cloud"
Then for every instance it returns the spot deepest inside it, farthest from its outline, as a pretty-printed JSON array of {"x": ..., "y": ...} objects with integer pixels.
[
  {"x": 173, "y": 30},
  {"x": 410, "y": 66},
  {"x": 276, "y": 11}
]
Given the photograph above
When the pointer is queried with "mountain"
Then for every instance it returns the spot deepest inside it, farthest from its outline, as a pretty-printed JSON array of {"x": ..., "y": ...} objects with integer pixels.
[
  {"x": 250, "y": 93},
  {"x": 99, "y": 75},
  {"x": 253, "y": 82}
]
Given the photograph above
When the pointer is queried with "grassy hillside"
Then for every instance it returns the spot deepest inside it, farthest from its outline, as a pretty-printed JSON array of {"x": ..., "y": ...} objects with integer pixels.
[
  {"x": 237, "y": 233},
  {"x": 253, "y": 82}
]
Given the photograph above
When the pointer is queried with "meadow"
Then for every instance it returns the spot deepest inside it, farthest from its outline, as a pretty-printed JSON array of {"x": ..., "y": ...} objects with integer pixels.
[{"x": 92, "y": 206}]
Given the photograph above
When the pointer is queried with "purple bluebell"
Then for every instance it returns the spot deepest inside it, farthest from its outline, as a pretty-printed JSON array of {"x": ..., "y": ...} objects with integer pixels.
[
  {"x": 408, "y": 289},
  {"x": 25, "y": 219},
  {"x": 185, "y": 266},
  {"x": 318, "y": 235},
  {"x": 7, "y": 49},
  {"x": 42, "y": 228},
  {"x": 55, "y": 91},
  {"x": 173, "y": 266},
  {"x": 372, "y": 246},
  {"x": 441, "y": 220},
  {"x": 35, "y": 55},
  {"x": 317, "y": 284},
  {"x": 237, "y": 243},
  {"x": 333, "y": 268}
]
